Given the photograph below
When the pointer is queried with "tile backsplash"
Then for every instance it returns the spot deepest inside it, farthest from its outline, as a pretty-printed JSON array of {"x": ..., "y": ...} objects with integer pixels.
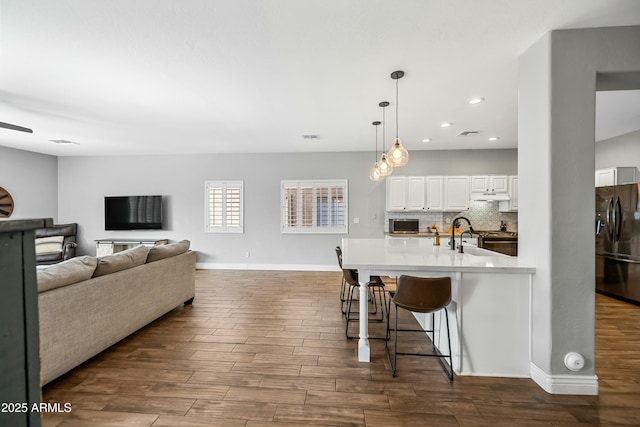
[{"x": 483, "y": 216}]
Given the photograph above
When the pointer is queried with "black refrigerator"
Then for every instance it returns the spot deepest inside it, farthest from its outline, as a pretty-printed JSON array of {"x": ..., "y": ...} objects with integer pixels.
[{"x": 618, "y": 241}]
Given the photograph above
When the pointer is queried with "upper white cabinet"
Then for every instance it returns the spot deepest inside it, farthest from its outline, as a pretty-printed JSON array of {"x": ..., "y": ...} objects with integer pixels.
[
  {"x": 511, "y": 205},
  {"x": 405, "y": 193},
  {"x": 456, "y": 193},
  {"x": 435, "y": 195},
  {"x": 415, "y": 193},
  {"x": 489, "y": 184},
  {"x": 617, "y": 175},
  {"x": 396, "y": 193}
]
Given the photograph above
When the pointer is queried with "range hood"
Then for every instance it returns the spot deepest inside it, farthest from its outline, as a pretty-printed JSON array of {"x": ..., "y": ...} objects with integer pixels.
[{"x": 489, "y": 197}]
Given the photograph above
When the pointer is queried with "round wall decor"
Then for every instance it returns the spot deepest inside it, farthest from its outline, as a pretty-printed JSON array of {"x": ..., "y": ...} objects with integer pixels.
[{"x": 6, "y": 203}]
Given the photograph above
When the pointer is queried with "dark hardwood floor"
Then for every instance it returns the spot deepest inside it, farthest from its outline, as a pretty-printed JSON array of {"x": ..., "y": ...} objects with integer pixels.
[{"x": 268, "y": 349}]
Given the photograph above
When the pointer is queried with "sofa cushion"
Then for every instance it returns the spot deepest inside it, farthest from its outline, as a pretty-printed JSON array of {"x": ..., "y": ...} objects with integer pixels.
[
  {"x": 159, "y": 252},
  {"x": 66, "y": 273},
  {"x": 121, "y": 261},
  {"x": 49, "y": 245}
]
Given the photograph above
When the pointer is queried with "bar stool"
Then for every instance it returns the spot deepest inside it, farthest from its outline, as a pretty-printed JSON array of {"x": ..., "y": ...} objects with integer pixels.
[
  {"x": 375, "y": 284},
  {"x": 420, "y": 295},
  {"x": 343, "y": 285},
  {"x": 346, "y": 294}
]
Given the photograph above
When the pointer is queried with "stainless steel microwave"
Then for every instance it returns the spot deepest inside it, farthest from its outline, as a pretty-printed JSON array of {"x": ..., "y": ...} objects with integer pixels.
[{"x": 403, "y": 226}]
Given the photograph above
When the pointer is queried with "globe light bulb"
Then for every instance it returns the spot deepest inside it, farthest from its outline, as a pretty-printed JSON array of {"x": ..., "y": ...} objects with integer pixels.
[
  {"x": 386, "y": 167},
  {"x": 398, "y": 155},
  {"x": 374, "y": 173}
]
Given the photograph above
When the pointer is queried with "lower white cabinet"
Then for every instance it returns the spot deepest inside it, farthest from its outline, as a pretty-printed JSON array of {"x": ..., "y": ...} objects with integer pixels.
[{"x": 456, "y": 193}]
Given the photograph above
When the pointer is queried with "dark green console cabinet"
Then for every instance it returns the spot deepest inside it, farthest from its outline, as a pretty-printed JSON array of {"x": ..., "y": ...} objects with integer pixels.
[{"x": 19, "y": 336}]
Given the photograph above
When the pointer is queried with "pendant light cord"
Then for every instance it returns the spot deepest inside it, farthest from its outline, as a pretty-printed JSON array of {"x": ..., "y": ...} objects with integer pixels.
[
  {"x": 383, "y": 128},
  {"x": 397, "y": 108},
  {"x": 375, "y": 155}
]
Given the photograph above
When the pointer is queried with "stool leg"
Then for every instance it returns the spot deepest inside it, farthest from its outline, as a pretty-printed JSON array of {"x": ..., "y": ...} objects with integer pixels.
[
  {"x": 446, "y": 315},
  {"x": 395, "y": 345},
  {"x": 343, "y": 298},
  {"x": 433, "y": 331},
  {"x": 348, "y": 315}
]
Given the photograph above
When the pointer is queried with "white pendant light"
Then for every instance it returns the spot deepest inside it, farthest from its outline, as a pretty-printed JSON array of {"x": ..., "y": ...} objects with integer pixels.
[
  {"x": 398, "y": 155},
  {"x": 386, "y": 167},
  {"x": 374, "y": 172}
]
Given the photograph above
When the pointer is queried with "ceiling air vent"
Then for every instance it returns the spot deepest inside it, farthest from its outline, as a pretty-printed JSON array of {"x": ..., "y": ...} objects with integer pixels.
[
  {"x": 63, "y": 141},
  {"x": 468, "y": 133},
  {"x": 310, "y": 136}
]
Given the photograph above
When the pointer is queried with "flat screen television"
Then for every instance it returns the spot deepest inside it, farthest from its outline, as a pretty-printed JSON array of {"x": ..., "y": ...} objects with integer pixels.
[{"x": 133, "y": 213}]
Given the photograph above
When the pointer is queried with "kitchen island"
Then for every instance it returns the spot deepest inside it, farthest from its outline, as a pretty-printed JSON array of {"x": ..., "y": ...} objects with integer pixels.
[{"x": 490, "y": 308}]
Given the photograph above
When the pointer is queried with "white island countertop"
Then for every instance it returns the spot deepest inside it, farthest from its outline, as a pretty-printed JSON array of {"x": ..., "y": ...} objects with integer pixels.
[
  {"x": 490, "y": 300},
  {"x": 421, "y": 255}
]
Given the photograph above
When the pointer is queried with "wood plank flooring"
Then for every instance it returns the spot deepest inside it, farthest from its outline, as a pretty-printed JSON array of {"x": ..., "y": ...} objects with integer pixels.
[{"x": 267, "y": 349}]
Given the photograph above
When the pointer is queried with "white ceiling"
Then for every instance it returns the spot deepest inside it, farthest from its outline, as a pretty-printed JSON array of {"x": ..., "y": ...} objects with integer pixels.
[{"x": 205, "y": 76}]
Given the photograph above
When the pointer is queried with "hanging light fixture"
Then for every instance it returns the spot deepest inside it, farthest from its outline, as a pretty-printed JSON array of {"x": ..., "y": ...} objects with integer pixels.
[
  {"x": 386, "y": 167},
  {"x": 374, "y": 172},
  {"x": 398, "y": 155}
]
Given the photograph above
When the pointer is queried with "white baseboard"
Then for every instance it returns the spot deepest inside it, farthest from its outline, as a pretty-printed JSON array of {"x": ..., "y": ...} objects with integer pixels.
[
  {"x": 565, "y": 384},
  {"x": 284, "y": 267}
]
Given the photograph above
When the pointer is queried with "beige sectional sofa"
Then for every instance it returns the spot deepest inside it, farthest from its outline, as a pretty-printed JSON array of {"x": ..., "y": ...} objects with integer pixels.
[{"x": 87, "y": 304}]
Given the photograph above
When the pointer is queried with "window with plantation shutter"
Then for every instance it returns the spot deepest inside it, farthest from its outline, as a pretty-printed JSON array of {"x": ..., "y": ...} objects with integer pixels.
[
  {"x": 314, "y": 206},
  {"x": 223, "y": 206}
]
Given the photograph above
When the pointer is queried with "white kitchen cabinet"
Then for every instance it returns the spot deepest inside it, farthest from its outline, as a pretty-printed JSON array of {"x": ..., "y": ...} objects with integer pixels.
[
  {"x": 456, "y": 193},
  {"x": 434, "y": 186},
  {"x": 617, "y": 175},
  {"x": 415, "y": 193},
  {"x": 405, "y": 193},
  {"x": 396, "y": 193},
  {"x": 511, "y": 205},
  {"x": 489, "y": 184}
]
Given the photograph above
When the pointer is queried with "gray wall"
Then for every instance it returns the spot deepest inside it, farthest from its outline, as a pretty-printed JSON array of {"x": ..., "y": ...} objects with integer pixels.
[
  {"x": 32, "y": 181},
  {"x": 556, "y": 160},
  {"x": 84, "y": 181},
  {"x": 623, "y": 150}
]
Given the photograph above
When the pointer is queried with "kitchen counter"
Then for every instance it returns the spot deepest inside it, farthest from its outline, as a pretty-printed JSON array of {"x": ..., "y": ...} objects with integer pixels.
[
  {"x": 490, "y": 308},
  {"x": 420, "y": 254}
]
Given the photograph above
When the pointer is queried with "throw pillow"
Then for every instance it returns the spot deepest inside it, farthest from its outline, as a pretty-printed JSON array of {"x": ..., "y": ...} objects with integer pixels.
[
  {"x": 66, "y": 273},
  {"x": 159, "y": 252},
  {"x": 49, "y": 245},
  {"x": 121, "y": 261}
]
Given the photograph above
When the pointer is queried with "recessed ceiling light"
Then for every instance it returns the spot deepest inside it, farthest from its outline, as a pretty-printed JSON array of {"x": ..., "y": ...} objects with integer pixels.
[
  {"x": 426, "y": 140},
  {"x": 477, "y": 100},
  {"x": 494, "y": 138},
  {"x": 446, "y": 125}
]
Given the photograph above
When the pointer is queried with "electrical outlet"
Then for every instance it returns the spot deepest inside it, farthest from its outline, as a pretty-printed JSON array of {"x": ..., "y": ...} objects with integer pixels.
[
  {"x": 356, "y": 220},
  {"x": 247, "y": 254}
]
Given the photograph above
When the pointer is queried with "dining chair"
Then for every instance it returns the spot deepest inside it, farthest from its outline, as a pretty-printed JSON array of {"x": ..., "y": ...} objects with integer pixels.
[{"x": 420, "y": 295}]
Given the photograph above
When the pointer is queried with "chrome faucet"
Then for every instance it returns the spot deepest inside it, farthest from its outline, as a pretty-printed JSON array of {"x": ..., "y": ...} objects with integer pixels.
[{"x": 455, "y": 224}]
